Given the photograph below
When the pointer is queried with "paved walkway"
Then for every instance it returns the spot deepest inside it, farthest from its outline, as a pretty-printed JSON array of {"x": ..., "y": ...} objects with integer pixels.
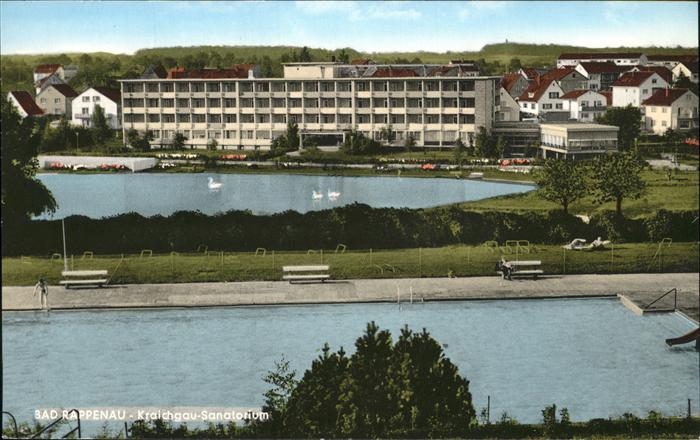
[{"x": 641, "y": 288}]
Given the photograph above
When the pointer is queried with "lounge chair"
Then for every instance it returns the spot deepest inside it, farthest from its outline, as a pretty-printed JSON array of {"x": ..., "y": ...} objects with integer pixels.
[{"x": 576, "y": 244}]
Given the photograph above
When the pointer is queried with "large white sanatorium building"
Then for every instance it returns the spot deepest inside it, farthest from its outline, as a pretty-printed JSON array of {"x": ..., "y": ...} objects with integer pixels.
[{"x": 435, "y": 104}]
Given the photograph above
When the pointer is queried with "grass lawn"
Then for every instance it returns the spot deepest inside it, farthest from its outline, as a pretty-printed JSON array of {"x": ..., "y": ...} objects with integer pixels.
[
  {"x": 458, "y": 260},
  {"x": 681, "y": 193}
]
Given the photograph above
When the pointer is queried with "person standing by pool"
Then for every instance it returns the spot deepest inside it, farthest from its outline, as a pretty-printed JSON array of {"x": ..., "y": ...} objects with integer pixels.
[{"x": 43, "y": 288}]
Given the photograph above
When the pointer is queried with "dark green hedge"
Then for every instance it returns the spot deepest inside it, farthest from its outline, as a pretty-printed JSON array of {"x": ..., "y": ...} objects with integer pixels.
[{"x": 358, "y": 226}]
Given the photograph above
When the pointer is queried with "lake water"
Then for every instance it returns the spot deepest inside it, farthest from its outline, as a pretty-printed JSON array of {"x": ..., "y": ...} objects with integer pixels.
[
  {"x": 592, "y": 356},
  {"x": 100, "y": 195}
]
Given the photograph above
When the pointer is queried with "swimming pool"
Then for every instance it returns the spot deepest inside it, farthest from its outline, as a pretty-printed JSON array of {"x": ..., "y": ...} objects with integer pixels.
[{"x": 592, "y": 356}]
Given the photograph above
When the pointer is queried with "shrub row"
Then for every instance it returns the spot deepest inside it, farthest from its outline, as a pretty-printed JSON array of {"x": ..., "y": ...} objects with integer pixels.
[{"x": 358, "y": 226}]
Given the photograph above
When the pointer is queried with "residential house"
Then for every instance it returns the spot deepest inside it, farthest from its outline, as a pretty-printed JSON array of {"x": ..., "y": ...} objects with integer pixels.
[
  {"x": 56, "y": 99},
  {"x": 509, "y": 110},
  {"x": 541, "y": 98},
  {"x": 43, "y": 70},
  {"x": 619, "y": 58},
  {"x": 83, "y": 106},
  {"x": 633, "y": 88},
  {"x": 568, "y": 78},
  {"x": 670, "y": 61},
  {"x": 663, "y": 72},
  {"x": 689, "y": 70},
  {"x": 46, "y": 81},
  {"x": 584, "y": 105},
  {"x": 154, "y": 72},
  {"x": 532, "y": 74},
  {"x": 514, "y": 83},
  {"x": 24, "y": 103},
  {"x": 600, "y": 75},
  {"x": 676, "y": 109}
]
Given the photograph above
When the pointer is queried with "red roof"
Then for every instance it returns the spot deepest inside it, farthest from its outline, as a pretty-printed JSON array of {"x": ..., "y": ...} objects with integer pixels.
[
  {"x": 537, "y": 89},
  {"x": 557, "y": 74},
  {"x": 663, "y": 72},
  {"x": 665, "y": 97},
  {"x": 509, "y": 80},
  {"x": 27, "y": 103},
  {"x": 112, "y": 94},
  {"x": 684, "y": 58},
  {"x": 598, "y": 55},
  {"x": 46, "y": 68},
  {"x": 693, "y": 67},
  {"x": 530, "y": 72},
  {"x": 572, "y": 95},
  {"x": 235, "y": 71},
  {"x": 459, "y": 68},
  {"x": 633, "y": 79},
  {"x": 608, "y": 96},
  {"x": 65, "y": 90},
  {"x": 604, "y": 67},
  {"x": 393, "y": 73}
]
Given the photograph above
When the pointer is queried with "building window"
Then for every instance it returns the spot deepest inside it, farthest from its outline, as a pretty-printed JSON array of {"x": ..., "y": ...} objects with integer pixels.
[
  {"x": 153, "y": 118},
  {"x": 663, "y": 123},
  {"x": 86, "y": 99},
  {"x": 559, "y": 106},
  {"x": 214, "y": 102},
  {"x": 214, "y": 119},
  {"x": 182, "y": 102},
  {"x": 152, "y": 87},
  {"x": 199, "y": 134},
  {"x": 664, "y": 109},
  {"x": 168, "y": 119},
  {"x": 553, "y": 95},
  {"x": 199, "y": 119},
  {"x": 183, "y": 87},
  {"x": 183, "y": 117},
  {"x": 546, "y": 106},
  {"x": 230, "y": 119}
]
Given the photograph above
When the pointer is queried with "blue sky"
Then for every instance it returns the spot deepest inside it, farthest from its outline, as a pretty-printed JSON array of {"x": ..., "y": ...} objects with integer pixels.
[{"x": 123, "y": 27}]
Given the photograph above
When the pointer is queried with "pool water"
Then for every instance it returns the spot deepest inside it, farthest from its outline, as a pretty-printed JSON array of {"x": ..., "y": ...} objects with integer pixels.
[{"x": 592, "y": 356}]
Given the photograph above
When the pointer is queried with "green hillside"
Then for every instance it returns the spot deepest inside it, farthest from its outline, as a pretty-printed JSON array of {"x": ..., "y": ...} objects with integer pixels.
[{"x": 103, "y": 68}]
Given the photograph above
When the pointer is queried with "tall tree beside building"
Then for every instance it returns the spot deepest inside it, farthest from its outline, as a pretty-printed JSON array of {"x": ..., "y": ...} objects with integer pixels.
[
  {"x": 617, "y": 177},
  {"x": 458, "y": 150},
  {"x": 179, "y": 141},
  {"x": 409, "y": 144},
  {"x": 23, "y": 195},
  {"x": 343, "y": 56},
  {"x": 514, "y": 65},
  {"x": 99, "y": 128},
  {"x": 484, "y": 144},
  {"x": 562, "y": 182},
  {"x": 628, "y": 119}
]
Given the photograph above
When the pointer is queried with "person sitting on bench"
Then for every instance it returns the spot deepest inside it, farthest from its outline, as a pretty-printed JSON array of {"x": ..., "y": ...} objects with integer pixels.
[{"x": 505, "y": 268}]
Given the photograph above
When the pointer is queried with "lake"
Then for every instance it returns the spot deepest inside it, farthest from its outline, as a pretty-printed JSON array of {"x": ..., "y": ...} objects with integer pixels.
[{"x": 101, "y": 195}]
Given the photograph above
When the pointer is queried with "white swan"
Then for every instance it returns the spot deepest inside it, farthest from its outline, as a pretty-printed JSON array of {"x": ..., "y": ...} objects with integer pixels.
[
  {"x": 316, "y": 195},
  {"x": 333, "y": 195},
  {"x": 213, "y": 184}
]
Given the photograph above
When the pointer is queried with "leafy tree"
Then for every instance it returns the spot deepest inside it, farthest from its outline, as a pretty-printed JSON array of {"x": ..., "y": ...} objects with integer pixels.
[
  {"x": 343, "y": 56},
  {"x": 409, "y": 144},
  {"x": 179, "y": 141},
  {"x": 283, "y": 381},
  {"x": 357, "y": 143},
  {"x": 292, "y": 136},
  {"x": 387, "y": 134},
  {"x": 501, "y": 145},
  {"x": 139, "y": 142},
  {"x": 212, "y": 145},
  {"x": 385, "y": 389},
  {"x": 562, "y": 181},
  {"x": 100, "y": 130},
  {"x": 416, "y": 60},
  {"x": 22, "y": 195},
  {"x": 628, "y": 119},
  {"x": 617, "y": 177},
  {"x": 484, "y": 144},
  {"x": 304, "y": 55},
  {"x": 514, "y": 65},
  {"x": 266, "y": 67},
  {"x": 458, "y": 152}
]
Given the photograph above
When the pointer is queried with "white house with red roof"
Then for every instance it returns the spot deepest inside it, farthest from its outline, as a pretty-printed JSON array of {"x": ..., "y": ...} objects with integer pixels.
[
  {"x": 24, "y": 103},
  {"x": 43, "y": 70},
  {"x": 83, "y": 106},
  {"x": 633, "y": 88},
  {"x": 676, "y": 109},
  {"x": 689, "y": 70},
  {"x": 600, "y": 75},
  {"x": 541, "y": 98},
  {"x": 584, "y": 105},
  {"x": 514, "y": 83}
]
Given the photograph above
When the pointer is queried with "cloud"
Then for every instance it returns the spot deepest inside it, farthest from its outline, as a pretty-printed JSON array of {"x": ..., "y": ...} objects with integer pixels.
[
  {"x": 474, "y": 9},
  {"x": 356, "y": 11}
]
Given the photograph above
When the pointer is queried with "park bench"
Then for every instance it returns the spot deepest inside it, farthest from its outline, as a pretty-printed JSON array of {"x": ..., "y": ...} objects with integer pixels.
[
  {"x": 84, "y": 278},
  {"x": 523, "y": 268},
  {"x": 306, "y": 273}
]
